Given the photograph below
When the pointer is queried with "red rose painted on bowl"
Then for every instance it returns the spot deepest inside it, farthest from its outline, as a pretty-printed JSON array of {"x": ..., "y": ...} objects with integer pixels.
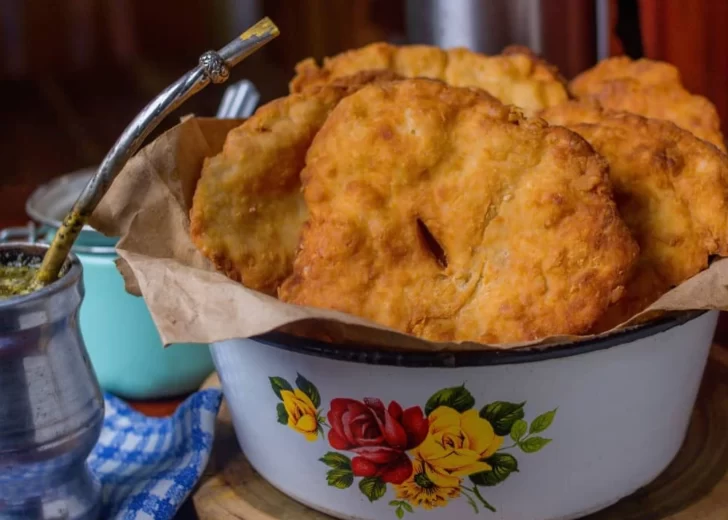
[{"x": 379, "y": 436}]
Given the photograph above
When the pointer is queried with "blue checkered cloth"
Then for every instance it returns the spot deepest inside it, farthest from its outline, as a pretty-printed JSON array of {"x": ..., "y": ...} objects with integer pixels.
[{"x": 148, "y": 466}]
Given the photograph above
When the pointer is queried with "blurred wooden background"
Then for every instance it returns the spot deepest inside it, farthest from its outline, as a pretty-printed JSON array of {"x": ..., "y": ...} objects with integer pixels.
[{"x": 73, "y": 73}]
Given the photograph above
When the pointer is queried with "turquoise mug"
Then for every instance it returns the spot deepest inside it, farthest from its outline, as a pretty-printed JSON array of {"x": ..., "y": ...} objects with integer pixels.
[{"x": 122, "y": 341}]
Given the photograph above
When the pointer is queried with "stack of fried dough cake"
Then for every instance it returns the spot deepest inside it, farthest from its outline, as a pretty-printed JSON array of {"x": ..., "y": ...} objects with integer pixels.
[{"x": 463, "y": 197}]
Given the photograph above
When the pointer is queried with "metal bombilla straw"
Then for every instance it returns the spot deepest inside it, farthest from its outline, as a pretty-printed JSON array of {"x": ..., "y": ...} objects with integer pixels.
[{"x": 213, "y": 67}]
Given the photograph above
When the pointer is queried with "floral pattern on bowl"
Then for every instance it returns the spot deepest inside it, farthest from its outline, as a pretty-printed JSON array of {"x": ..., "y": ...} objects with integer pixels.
[{"x": 429, "y": 457}]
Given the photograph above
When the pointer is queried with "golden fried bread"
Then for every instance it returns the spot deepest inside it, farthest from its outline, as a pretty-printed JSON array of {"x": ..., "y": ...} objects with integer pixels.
[
  {"x": 248, "y": 209},
  {"x": 674, "y": 104},
  {"x": 644, "y": 71},
  {"x": 438, "y": 212},
  {"x": 406, "y": 61},
  {"x": 651, "y": 89},
  {"x": 671, "y": 188},
  {"x": 514, "y": 77}
]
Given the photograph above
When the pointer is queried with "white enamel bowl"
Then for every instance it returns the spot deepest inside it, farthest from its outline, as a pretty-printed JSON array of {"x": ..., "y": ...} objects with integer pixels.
[{"x": 622, "y": 404}]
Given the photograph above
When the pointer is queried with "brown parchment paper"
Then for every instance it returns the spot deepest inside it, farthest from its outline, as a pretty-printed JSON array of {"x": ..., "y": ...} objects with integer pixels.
[{"x": 148, "y": 207}]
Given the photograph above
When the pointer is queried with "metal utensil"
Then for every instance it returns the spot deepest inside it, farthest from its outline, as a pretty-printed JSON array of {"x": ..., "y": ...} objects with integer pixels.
[
  {"x": 213, "y": 67},
  {"x": 239, "y": 100}
]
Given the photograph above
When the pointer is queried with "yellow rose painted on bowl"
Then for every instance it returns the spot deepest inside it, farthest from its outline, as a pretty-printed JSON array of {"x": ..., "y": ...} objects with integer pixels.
[
  {"x": 299, "y": 406},
  {"x": 301, "y": 413},
  {"x": 457, "y": 444}
]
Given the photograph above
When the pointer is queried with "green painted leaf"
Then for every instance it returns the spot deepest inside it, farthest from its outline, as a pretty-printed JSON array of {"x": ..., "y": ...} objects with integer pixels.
[
  {"x": 503, "y": 465},
  {"x": 457, "y": 397},
  {"x": 340, "y": 478},
  {"x": 542, "y": 422},
  {"x": 407, "y": 507},
  {"x": 336, "y": 460},
  {"x": 502, "y": 415},
  {"x": 282, "y": 414},
  {"x": 533, "y": 444},
  {"x": 399, "y": 512},
  {"x": 308, "y": 388},
  {"x": 394, "y": 503},
  {"x": 373, "y": 488},
  {"x": 519, "y": 429},
  {"x": 278, "y": 384}
]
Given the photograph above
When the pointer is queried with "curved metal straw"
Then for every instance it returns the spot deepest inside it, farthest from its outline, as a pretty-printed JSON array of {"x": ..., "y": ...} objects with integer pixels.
[{"x": 213, "y": 67}]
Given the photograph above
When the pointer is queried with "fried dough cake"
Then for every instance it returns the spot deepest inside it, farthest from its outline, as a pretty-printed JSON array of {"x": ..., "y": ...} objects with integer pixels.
[
  {"x": 437, "y": 212},
  {"x": 248, "y": 209},
  {"x": 651, "y": 89},
  {"x": 671, "y": 189},
  {"x": 515, "y": 77},
  {"x": 644, "y": 71}
]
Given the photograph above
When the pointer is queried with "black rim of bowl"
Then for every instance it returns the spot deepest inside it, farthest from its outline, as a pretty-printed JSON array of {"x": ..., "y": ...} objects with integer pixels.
[{"x": 373, "y": 356}]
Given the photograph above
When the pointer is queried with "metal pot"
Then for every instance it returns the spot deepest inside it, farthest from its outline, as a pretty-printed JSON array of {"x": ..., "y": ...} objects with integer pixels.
[
  {"x": 51, "y": 407},
  {"x": 530, "y": 434},
  {"x": 124, "y": 345}
]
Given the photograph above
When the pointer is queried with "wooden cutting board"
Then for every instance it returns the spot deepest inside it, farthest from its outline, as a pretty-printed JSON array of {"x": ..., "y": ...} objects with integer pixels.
[{"x": 693, "y": 487}]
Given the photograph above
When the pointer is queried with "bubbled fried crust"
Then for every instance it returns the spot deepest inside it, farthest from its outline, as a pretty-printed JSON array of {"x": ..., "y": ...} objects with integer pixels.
[
  {"x": 248, "y": 209},
  {"x": 651, "y": 89},
  {"x": 671, "y": 188},
  {"x": 574, "y": 112},
  {"x": 438, "y": 212},
  {"x": 645, "y": 71},
  {"x": 515, "y": 77}
]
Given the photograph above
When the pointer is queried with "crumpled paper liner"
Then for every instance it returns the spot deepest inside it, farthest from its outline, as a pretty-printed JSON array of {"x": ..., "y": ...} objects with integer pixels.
[{"x": 148, "y": 207}]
